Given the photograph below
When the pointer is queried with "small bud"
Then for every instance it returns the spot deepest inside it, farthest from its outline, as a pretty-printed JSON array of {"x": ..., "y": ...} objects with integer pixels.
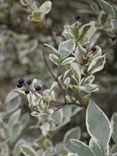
[
  {"x": 38, "y": 88},
  {"x": 29, "y": 82},
  {"x": 77, "y": 18},
  {"x": 27, "y": 91},
  {"x": 113, "y": 38},
  {"x": 20, "y": 81},
  {"x": 93, "y": 49},
  {"x": 19, "y": 85}
]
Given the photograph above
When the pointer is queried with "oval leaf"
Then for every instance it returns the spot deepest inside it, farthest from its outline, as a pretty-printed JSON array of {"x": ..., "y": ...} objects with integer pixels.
[
  {"x": 114, "y": 127},
  {"x": 97, "y": 64},
  {"x": 98, "y": 125},
  {"x": 54, "y": 59},
  {"x": 27, "y": 150},
  {"x": 73, "y": 133},
  {"x": 67, "y": 61},
  {"x": 80, "y": 148},
  {"x": 66, "y": 48}
]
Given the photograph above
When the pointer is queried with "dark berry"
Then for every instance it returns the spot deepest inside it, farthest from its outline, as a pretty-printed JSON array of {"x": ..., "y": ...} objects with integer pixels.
[
  {"x": 20, "y": 81},
  {"x": 113, "y": 38},
  {"x": 38, "y": 88},
  {"x": 77, "y": 18},
  {"x": 27, "y": 91},
  {"x": 93, "y": 49},
  {"x": 29, "y": 82},
  {"x": 19, "y": 85}
]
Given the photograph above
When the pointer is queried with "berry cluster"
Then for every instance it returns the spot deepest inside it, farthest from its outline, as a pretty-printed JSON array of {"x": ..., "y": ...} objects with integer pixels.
[{"x": 21, "y": 83}]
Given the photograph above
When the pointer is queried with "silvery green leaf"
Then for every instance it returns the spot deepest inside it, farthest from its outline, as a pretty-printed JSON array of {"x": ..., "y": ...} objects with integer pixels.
[
  {"x": 88, "y": 88},
  {"x": 15, "y": 132},
  {"x": 54, "y": 59},
  {"x": 66, "y": 73},
  {"x": 98, "y": 126},
  {"x": 97, "y": 64},
  {"x": 115, "y": 10},
  {"x": 95, "y": 55},
  {"x": 28, "y": 151},
  {"x": 25, "y": 2},
  {"x": 45, "y": 128},
  {"x": 76, "y": 71},
  {"x": 106, "y": 7},
  {"x": 14, "y": 118},
  {"x": 114, "y": 25},
  {"x": 52, "y": 48},
  {"x": 114, "y": 148},
  {"x": 58, "y": 116},
  {"x": 80, "y": 148},
  {"x": 114, "y": 127},
  {"x": 72, "y": 154},
  {"x": 90, "y": 30},
  {"x": 13, "y": 101},
  {"x": 88, "y": 80},
  {"x": 67, "y": 81},
  {"x": 73, "y": 133},
  {"x": 4, "y": 149},
  {"x": 16, "y": 149},
  {"x": 67, "y": 32},
  {"x": 115, "y": 154},
  {"x": 84, "y": 30},
  {"x": 79, "y": 53},
  {"x": 68, "y": 60},
  {"x": 67, "y": 111},
  {"x": 103, "y": 17},
  {"x": 95, "y": 148},
  {"x": 45, "y": 7},
  {"x": 66, "y": 48}
]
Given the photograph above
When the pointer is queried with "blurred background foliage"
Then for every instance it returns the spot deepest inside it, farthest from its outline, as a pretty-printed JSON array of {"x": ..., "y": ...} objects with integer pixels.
[{"x": 21, "y": 46}]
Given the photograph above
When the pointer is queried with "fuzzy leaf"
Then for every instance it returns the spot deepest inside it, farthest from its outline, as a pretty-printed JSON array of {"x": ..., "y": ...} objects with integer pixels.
[
  {"x": 88, "y": 30},
  {"x": 68, "y": 60},
  {"x": 73, "y": 133},
  {"x": 115, "y": 154},
  {"x": 103, "y": 17},
  {"x": 58, "y": 116},
  {"x": 89, "y": 79},
  {"x": 97, "y": 64},
  {"x": 13, "y": 100},
  {"x": 66, "y": 48},
  {"x": 52, "y": 48},
  {"x": 114, "y": 127},
  {"x": 14, "y": 118},
  {"x": 28, "y": 151},
  {"x": 80, "y": 148},
  {"x": 45, "y": 7},
  {"x": 15, "y": 132},
  {"x": 88, "y": 88},
  {"x": 98, "y": 125},
  {"x": 106, "y": 7},
  {"x": 76, "y": 71},
  {"x": 54, "y": 59},
  {"x": 95, "y": 148},
  {"x": 114, "y": 25},
  {"x": 25, "y": 2}
]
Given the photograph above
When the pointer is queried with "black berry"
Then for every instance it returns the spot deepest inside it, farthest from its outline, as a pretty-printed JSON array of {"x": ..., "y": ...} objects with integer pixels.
[
  {"x": 38, "y": 88},
  {"x": 93, "y": 49},
  {"x": 113, "y": 38},
  {"x": 20, "y": 81},
  {"x": 27, "y": 91},
  {"x": 77, "y": 18},
  {"x": 19, "y": 85},
  {"x": 29, "y": 82}
]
